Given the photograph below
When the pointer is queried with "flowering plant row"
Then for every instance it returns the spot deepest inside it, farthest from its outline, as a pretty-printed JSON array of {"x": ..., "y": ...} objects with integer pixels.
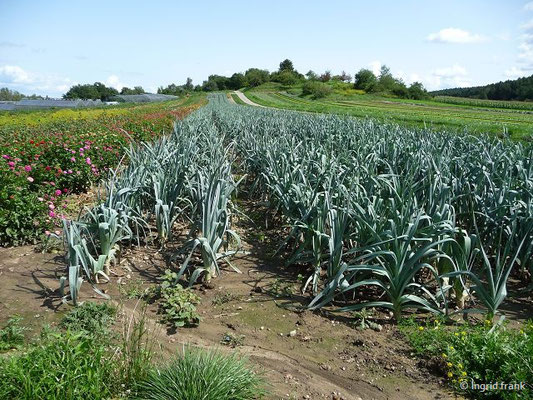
[{"x": 58, "y": 153}]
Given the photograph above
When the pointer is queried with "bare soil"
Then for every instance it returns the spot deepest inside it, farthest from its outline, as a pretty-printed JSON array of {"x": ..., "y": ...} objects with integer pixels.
[{"x": 303, "y": 355}]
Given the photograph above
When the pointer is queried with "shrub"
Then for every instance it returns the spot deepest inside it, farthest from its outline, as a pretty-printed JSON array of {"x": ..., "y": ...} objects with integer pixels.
[
  {"x": 316, "y": 89},
  {"x": 202, "y": 375},
  {"x": 472, "y": 354},
  {"x": 90, "y": 318}
]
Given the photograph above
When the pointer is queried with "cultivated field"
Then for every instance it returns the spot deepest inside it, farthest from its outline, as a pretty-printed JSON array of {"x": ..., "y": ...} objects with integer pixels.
[
  {"x": 512, "y": 119},
  {"x": 347, "y": 258}
]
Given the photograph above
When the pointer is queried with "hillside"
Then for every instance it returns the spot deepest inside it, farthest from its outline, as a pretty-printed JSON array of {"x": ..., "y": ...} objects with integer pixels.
[{"x": 519, "y": 89}]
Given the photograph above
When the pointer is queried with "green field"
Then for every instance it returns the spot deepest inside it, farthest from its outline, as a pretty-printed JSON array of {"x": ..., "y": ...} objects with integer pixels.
[{"x": 474, "y": 117}]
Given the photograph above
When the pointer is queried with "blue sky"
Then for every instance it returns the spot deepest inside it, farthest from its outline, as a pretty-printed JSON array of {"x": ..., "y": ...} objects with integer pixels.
[{"x": 45, "y": 47}]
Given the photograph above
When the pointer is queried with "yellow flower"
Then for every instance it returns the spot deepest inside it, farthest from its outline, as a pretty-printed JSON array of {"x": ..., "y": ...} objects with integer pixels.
[
  {"x": 456, "y": 334},
  {"x": 463, "y": 333},
  {"x": 460, "y": 366},
  {"x": 464, "y": 373},
  {"x": 451, "y": 348},
  {"x": 522, "y": 331},
  {"x": 420, "y": 328},
  {"x": 449, "y": 365},
  {"x": 450, "y": 374},
  {"x": 444, "y": 355}
]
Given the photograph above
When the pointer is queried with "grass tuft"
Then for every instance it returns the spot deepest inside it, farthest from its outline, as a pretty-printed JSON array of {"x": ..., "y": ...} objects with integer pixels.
[{"x": 202, "y": 375}]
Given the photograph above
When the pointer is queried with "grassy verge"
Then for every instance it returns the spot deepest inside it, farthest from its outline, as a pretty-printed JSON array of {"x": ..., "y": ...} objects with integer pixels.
[{"x": 237, "y": 99}]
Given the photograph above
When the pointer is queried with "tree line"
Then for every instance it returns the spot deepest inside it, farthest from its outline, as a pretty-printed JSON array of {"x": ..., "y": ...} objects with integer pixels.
[
  {"x": 314, "y": 84},
  {"x": 518, "y": 89},
  {"x": 7, "y": 94}
]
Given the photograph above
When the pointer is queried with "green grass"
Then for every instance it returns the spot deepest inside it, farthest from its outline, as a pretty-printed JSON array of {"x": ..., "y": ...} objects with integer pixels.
[
  {"x": 476, "y": 354},
  {"x": 202, "y": 375},
  {"x": 237, "y": 99},
  {"x": 12, "y": 334},
  {"x": 61, "y": 366},
  {"x": 80, "y": 363},
  {"x": 413, "y": 113}
]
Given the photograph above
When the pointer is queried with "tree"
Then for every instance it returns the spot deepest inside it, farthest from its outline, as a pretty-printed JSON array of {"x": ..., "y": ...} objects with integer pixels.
[
  {"x": 95, "y": 91},
  {"x": 135, "y": 90},
  {"x": 256, "y": 77},
  {"x": 210, "y": 86},
  {"x": 286, "y": 65},
  {"x": 188, "y": 87},
  {"x": 311, "y": 75},
  {"x": 417, "y": 91},
  {"x": 345, "y": 77},
  {"x": 365, "y": 80},
  {"x": 316, "y": 89},
  {"x": 10, "y": 95},
  {"x": 237, "y": 81},
  {"x": 386, "y": 82},
  {"x": 325, "y": 77}
]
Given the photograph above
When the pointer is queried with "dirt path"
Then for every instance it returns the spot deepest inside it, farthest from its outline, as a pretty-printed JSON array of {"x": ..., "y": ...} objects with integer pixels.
[{"x": 246, "y": 99}]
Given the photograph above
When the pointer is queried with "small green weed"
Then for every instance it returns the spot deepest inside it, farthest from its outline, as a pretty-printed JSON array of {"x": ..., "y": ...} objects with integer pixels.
[
  {"x": 471, "y": 355},
  {"x": 133, "y": 289},
  {"x": 12, "y": 335},
  {"x": 279, "y": 288},
  {"x": 223, "y": 298},
  {"x": 90, "y": 318},
  {"x": 178, "y": 306},
  {"x": 230, "y": 339}
]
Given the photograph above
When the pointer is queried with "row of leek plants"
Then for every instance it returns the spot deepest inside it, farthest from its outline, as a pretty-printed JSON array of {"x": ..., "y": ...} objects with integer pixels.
[
  {"x": 185, "y": 176},
  {"x": 420, "y": 216}
]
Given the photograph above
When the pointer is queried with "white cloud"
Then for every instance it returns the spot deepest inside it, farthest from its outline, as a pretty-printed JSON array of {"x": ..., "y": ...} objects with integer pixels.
[
  {"x": 114, "y": 82},
  {"x": 515, "y": 72},
  {"x": 448, "y": 72},
  {"x": 528, "y": 6},
  {"x": 15, "y": 77},
  {"x": 375, "y": 67},
  {"x": 455, "y": 35},
  {"x": 14, "y": 74},
  {"x": 445, "y": 77},
  {"x": 528, "y": 26}
]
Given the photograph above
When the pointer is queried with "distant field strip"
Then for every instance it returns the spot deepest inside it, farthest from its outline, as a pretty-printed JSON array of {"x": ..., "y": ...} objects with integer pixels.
[{"x": 518, "y": 124}]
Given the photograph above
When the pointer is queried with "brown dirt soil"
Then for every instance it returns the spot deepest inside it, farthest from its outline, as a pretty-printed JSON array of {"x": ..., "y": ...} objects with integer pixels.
[{"x": 303, "y": 355}]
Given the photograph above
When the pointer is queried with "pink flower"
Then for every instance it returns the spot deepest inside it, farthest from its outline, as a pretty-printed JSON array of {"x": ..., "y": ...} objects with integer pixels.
[
  {"x": 69, "y": 171},
  {"x": 58, "y": 192},
  {"x": 57, "y": 233},
  {"x": 88, "y": 160},
  {"x": 52, "y": 183},
  {"x": 27, "y": 168},
  {"x": 11, "y": 164},
  {"x": 47, "y": 233},
  {"x": 51, "y": 206},
  {"x": 65, "y": 190},
  {"x": 73, "y": 159},
  {"x": 40, "y": 199},
  {"x": 52, "y": 214},
  {"x": 5, "y": 156},
  {"x": 30, "y": 179}
]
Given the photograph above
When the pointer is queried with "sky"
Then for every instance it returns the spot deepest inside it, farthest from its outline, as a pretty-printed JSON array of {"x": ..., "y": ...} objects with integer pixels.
[{"x": 48, "y": 46}]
